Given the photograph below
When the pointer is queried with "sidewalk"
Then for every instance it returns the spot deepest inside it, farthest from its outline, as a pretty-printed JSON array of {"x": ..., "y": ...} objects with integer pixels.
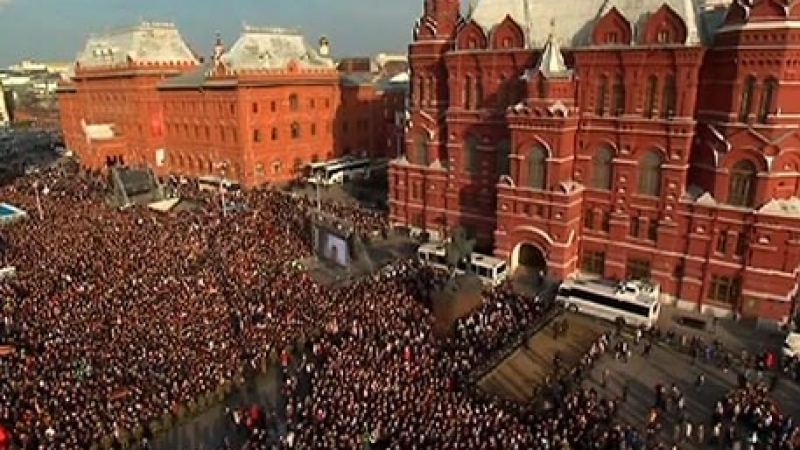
[{"x": 732, "y": 334}]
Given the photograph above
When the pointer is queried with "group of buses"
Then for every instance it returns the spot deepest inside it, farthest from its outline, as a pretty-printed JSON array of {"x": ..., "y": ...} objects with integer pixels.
[{"x": 632, "y": 302}]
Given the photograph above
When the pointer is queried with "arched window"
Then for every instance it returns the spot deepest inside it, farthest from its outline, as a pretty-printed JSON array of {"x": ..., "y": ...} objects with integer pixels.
[
  {"x": 602, "y": 93},
  {"x": 668, "y": 100},
  {"x": 602, "y": 169},
  {"x": 468, "y": 93},
  {"x": 650, "y": 174},
  {"x": 619, "y": 95},
  {"x": 503, "y": 154},
  {"x": 471, "y": 158},
  {"x": 294, "y": 102},
  {"x": 767, "y": 99},
  {"x": 742, "y": 185},
  {"x": 650, "y": 99},
  {"x": 746, "y": 106},
  {"x": 295, "y": 129},
  {"x": 421, "y": 150},
  {"x": 537, "y": 168}
]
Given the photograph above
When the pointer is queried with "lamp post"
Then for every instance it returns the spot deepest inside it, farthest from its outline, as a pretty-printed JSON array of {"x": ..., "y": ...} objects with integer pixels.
[
  {"x": 222, "y": 168},
  {"x": 38, "y": 200}
]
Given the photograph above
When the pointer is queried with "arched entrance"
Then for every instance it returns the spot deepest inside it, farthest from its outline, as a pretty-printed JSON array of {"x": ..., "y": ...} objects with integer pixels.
[{"x": 528, "y": 262}]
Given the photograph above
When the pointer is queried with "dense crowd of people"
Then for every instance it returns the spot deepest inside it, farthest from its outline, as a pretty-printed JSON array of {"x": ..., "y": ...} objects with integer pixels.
[{"x": 117, "y": 317}]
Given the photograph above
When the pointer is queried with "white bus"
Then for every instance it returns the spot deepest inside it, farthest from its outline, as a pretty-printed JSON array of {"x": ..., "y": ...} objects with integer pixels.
[
  {"x": 632, "y": 302},
  {"x": 492, "y": 271},
  {"x": 217, "y": 184},
  {"x": 315, "y": 171},
  {"x": 343, "y": 172}
]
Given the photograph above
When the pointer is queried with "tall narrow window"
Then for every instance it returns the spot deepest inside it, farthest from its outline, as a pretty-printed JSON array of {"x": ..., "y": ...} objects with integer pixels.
[
  {"x": 468, "y": 93},
  {"x": 503, "y": 150},
  {"x": 619, "y": 95},
  {"x": 502, "y": 92},
  {"x": 421, "y": 91},
  {"x": 767, "y": 99},
  {"x": 421, "y": 150},
  {"x": 746, "y": 106},
  {"x": 602, "y": 169},
  {"x": 650, "y": 99},
  {"x": 431, "y": 89},
  {"x": 742, "y": 185},
  {"x": 537, "y": 168},
  {"x": 295, "y": 130},
  {"x": 472, "y": 162},
  {"x": 294, "y": 102},
  {"x": 602, "y": 93},
  {"x": 478, "y": 97},
  {"x": 633, "y": 228},
  {"x": 650, "y": 174},
  {"x": 668, "y": 101}
]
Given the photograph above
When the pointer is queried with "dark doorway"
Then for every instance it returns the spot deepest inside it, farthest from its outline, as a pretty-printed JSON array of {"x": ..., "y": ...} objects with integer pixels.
[{"x": 531, "y": 265}]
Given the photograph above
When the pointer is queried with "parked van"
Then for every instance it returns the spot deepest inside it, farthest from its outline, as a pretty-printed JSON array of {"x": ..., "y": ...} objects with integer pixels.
[{"x": 791, "y": 346}]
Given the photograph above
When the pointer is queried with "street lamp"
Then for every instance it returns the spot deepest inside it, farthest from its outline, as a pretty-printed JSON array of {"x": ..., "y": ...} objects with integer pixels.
[
  {"x": 38, "y": 200},
  {"x": 223, "y": 166}
]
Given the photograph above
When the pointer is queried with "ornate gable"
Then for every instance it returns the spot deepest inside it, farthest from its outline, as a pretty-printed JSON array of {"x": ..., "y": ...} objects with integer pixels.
[
  {"x": 508, "y": 35},
  {"x": 665, "y": 27},
  {"x": 612, "y": 29},
  {"x": 471, "y": 36}
]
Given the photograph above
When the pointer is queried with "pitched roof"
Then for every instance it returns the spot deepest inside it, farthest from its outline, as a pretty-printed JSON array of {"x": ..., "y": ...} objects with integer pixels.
[
  {"x": 194, "y": 78},
  {"x": 571, "y": 22},
  {"x": 146, "y": 42},
  {"x": 272, "y": 48}
]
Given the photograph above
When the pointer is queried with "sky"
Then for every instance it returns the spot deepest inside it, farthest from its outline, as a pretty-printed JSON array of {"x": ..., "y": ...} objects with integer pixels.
[{"x": 55, "y": 30}]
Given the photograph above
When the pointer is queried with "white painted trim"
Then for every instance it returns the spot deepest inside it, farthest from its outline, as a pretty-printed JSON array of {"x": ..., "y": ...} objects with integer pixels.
[{"x": 762, "y": 26}]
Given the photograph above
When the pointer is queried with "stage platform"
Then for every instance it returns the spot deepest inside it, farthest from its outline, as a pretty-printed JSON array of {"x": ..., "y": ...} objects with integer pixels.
[{"x": 381, "y": 253}]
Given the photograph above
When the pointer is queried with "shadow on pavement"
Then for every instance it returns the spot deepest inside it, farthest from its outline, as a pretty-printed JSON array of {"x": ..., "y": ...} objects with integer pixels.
[{"x": 208, "y": 430}]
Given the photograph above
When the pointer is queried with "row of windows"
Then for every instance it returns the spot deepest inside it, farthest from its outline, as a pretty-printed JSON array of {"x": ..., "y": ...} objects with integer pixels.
[
  {"x": 650, "y": 176},
  {"x": 723, "y": 289},
  {"x": 294, "y": 104},
  {"x": 295, "y": 132},
  {"x": 768, "y": 90},
  {"x": 616, "y": 104},
  {"x": 639, "y": 228},
  {"x": 742, "y": 179},
  {"x": 198, "y": 132},
  {"x": 594, "y": 262},
  {"x": 205, "y": 107}
]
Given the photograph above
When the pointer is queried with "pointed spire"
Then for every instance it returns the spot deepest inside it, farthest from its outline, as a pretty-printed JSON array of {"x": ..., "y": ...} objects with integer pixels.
[{"x": 551, "y": 63}]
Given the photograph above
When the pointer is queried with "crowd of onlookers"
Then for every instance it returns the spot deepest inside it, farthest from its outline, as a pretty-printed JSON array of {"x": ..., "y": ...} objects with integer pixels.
[{"x": 118, "y": 317}]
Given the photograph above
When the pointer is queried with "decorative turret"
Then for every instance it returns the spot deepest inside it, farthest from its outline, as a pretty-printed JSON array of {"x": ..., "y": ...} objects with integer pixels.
[
  {"x": 551, "y": 62},
  {"x": 551, "y": 78},
  {"x": 440, "y": 19},
  {"x": 219, "y": 49},
  {"x": 324, "y": 47}
]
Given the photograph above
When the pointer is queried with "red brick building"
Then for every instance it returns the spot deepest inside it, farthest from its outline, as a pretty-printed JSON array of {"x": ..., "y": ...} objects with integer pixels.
[
  {"x": 256, "y": 112},
  {"x": 655, "y": 139}
]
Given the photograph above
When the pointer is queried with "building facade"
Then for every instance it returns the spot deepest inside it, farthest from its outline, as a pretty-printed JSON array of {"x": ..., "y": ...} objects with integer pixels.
[
  {"x": 256, "y": 112},
  {"x": 655, "y": 140}
]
